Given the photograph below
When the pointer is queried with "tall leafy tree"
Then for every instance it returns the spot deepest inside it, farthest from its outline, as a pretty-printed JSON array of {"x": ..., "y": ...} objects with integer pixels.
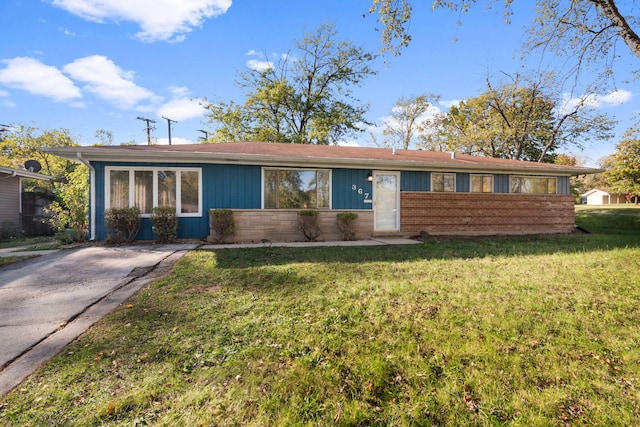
[
  {"x": 623, "y": 174},
  {"x": 408, "y": 119},
  {"x": 306, "y": 97},
  {"x": 521, "y": 120}
]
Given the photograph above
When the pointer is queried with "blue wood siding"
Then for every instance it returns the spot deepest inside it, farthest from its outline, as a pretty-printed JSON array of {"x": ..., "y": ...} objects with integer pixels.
[
  {"x": 463, "y": 182},
  {"x": 345, "y": 189},
  {"x": 415, "y": 181},
  {"x": 501, "y": 183},
  {"x": 240, "y": 187},
  {"x": 223, "y": 186}
]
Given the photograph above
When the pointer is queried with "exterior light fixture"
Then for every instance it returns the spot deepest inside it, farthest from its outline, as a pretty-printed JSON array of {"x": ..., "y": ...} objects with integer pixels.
[{"x": 370, "y": 177}]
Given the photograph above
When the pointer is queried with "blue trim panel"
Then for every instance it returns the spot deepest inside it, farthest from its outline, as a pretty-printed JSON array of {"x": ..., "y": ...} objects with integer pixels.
[
  {"x": 463, "y": 182},
  {"x": 350, "y": 189},
  {"x": 415, "y": 181}
]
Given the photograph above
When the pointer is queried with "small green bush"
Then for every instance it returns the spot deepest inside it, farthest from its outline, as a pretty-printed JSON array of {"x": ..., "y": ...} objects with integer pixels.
[
  {"x": 222, "y": 224},
  {"x": 9, "y": 230},
  {"x": 346, "y": 225},
  {"x": 164, "y": 223},
  {"x": 122, "y": 224},
  {"x": 308, "y": 222}
]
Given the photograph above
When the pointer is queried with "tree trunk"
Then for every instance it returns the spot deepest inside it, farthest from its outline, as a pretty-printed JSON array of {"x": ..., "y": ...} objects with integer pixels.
[{"x": 611, "y": 12}]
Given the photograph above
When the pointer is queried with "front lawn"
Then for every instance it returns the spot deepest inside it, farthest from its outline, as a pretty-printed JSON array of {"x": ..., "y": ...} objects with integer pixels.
[{"x": 488, "y": 331}]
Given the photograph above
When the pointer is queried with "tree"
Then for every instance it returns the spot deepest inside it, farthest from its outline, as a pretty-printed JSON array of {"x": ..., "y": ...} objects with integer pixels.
[
  {"x": 623, "y": 174},
  {"x": 24, "y": 143},
  {"x": 588, "y": 30},
  {"x": 70, "y": 183},
  {"x": 304, "y": 98},
  {"x": 521, "y": 120},
  {"x": 408, "y": 119}
]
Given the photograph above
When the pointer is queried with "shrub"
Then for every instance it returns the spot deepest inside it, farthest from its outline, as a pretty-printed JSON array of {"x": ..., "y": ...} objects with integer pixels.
[
  {"x": 164, "y": 223},
  {"x": 9, "y": 230},
  {"x": 222, "y": 224},
  {"x": 308, "y": 222},
  {"x": 346, "y": 225},
  {"x": 122, "y": 224}
]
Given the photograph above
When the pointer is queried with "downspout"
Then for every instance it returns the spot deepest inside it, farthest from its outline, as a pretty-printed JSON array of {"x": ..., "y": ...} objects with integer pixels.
[{"x": 92, "y": 195}]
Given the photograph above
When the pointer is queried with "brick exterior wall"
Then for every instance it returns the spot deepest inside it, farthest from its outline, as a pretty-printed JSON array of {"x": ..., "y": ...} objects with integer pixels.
[
  {"x": 475, "y": 214},
  {"x": 281, "y": 225}
]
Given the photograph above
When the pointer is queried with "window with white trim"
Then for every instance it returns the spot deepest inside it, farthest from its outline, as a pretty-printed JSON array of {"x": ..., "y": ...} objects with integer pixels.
[
  {"x": 482, "y": 183},
  {"x": 533, "y": 185},
  {"x": 296, "y": 188},
  {"x": 147, "y": 187},
  {"x": 443, "y": 182}
]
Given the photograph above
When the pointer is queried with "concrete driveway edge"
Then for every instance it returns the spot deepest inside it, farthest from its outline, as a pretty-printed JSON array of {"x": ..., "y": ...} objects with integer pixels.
[{"x": 30, "y": 361}]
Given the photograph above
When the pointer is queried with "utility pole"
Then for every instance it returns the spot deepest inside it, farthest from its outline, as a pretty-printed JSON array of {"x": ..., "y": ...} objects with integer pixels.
[
  {"x": 149, "y": 128},
  {"x": 206, "y": 135},
  {"x": 169, "y": 126}
]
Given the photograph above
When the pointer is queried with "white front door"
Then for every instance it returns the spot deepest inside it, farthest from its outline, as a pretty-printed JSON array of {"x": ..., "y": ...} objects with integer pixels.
[{"x": 386, "y": 201}]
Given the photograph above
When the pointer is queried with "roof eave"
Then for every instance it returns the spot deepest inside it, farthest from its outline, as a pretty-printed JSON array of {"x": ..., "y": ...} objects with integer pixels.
[{"x": 117, "y": 155}]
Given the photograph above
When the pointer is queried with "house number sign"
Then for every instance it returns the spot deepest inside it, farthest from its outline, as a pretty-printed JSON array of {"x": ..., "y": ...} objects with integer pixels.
[{"x": 361, "y": 192}]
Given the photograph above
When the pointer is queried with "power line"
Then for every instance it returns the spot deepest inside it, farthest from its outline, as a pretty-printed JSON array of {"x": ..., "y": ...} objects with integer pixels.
[
  {"x": 169, "y": 126},
  {"x": 149, "y": 128}
]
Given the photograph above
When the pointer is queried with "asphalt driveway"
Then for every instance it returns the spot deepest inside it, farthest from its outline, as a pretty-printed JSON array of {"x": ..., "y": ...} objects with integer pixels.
[{"x": 46, "y": 302}]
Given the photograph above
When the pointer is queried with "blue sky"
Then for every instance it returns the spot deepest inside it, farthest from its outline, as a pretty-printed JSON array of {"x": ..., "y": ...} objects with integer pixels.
[{"x": 84, "y": 66}]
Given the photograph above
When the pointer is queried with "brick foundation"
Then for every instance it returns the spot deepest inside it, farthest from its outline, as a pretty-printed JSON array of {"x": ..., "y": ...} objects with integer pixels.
[
  {"x": 474, "y": 214},
  {"x": 281, "y": 225}
]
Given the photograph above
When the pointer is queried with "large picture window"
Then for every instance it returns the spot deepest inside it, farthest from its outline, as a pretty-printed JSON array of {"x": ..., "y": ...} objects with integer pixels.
[
  {"x": 443, "y": 182},
  {"x": 297, "y": 189},
  {"x": 146, "y": 188},
  {"x": 532, "y": 184},
  {"x": 482, "y": 183}
]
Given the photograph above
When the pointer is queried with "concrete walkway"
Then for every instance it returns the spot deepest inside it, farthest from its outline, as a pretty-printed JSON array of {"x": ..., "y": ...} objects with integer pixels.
[{"x": 47, "y": 302}]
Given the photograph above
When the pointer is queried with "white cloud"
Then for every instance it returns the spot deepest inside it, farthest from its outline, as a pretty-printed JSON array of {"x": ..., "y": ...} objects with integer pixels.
[
  {"x": 182, "y": 109},
  {"x": 33, "y": 76},
  {"x": 66, "y": 32},
  {"x": 258, "y": 65},
  {"x": 167, "y": 20},
  {"x": 174, "y": 141},
  {"x": 108, "y": 81},
  {"x": 348, "y": 144},
  {"x": 611, "y": 99},
  {"x": 262, "y": 63},
  {"x": 450, "y": 103},
  {"x": 617, "y": 97}
]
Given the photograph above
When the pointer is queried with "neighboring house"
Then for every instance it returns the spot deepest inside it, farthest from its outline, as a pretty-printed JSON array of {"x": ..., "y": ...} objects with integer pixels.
[
  {"x": 394, "y": 192},
  {"x": 602, "y": 197},
  {"x": 11, "y": 194}
]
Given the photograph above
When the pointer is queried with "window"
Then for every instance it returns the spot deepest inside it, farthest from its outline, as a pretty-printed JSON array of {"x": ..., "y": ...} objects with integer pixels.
[
  {"x": 296, "y": 188},
  {"x": 535, "y": 185},
  {"x": 482, "y": 183},
  {"x": 441, "y": 182},
  {"x": 146, "y": 188}
]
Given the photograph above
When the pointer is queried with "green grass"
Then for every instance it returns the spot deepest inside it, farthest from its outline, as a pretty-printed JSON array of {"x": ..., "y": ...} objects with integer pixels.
[
  {"x": 27, "y": 241},
  {"x": 4, "y": 261},
  {"x": 528, "y": 331}
]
